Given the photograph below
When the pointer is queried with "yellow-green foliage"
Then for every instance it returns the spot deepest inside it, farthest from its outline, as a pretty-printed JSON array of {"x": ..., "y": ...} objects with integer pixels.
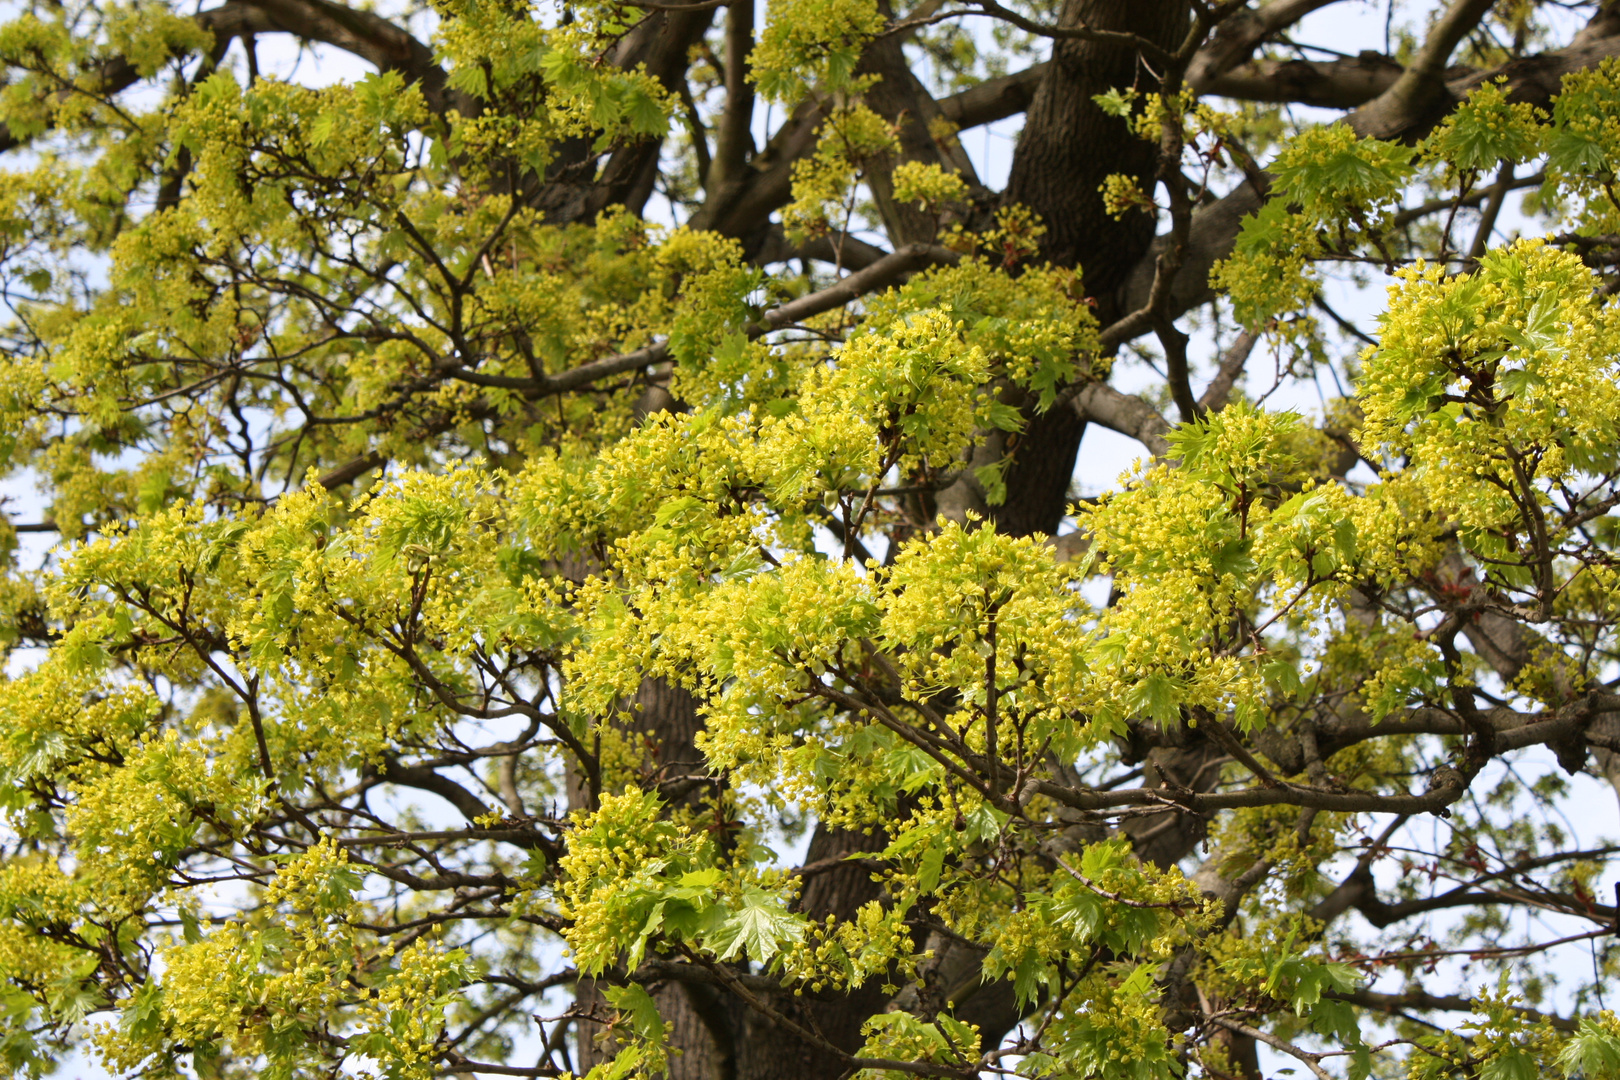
[
  {"x": 824, "y": 184},
  {"x": 592, "y": 465}
]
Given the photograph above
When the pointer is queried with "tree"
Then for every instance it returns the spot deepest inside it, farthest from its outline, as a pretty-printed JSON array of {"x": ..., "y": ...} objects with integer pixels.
[{"x": 453, "y": 567}]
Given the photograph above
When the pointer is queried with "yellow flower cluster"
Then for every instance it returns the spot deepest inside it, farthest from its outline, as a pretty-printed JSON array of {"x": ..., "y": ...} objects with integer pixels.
[
  {"x": 824, "y": 183},
  {"x": 812, "y": 44},
  {"x": 1495, "y": 387},
  {"x": 1122, "y": 194},
  {"x": 926, "y": 184}
]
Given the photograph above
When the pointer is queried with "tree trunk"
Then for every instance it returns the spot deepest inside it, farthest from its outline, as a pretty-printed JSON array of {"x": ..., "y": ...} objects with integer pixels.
[
  {"x": 1068, "y": 147},
  {"x": 701, "y": 1024},
  {"x": 767, "y": 1050}
]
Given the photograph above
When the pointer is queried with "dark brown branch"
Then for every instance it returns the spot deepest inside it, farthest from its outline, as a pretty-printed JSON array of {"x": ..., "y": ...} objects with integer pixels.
[
  {"x": 1236, "y": 38},
  {"x": 1233, "y": 361},
  {"x": 880, "y": 275},
  {"x": 421, "y": 779},
  {"x": 1152, "y": 50},
  {"x": 1284, "y": 794},
  {"x": 1422, "y": 1000},
  {"x": 843, "y": 249},
  {"x": 1345, "y": 83},
  {"x": 732, "y": 141},
  {"x": 1311, "y": 1061},
  {"x": 993, "y": 99},
  {"x": 370, "y": 37},
  {"x": 1177, "y": 373},
  {"x": 1125, "y": 413},
  {"x": 350, "y": 471}
]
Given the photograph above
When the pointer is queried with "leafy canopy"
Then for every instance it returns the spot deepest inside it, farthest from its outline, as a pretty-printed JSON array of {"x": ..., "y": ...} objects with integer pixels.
[{"x": 466, "y": 588}]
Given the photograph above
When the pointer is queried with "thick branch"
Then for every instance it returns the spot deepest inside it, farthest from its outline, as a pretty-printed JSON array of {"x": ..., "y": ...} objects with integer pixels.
[
  {"x": 366, "y": 35},
  {"x": 1236, "y": 38},
  {"x": 1421, "y": 89},
  {"x": 1213, "y": 399},
  {"x": 842, "y": 249},
  {"x": 1422, "y": 1000},
  {"x": 428, "y": 780},
  {"x": 732, "y": 141},
  {"x": 993, "y": 99},
  {"x": 1437, "y": 798},
  {"x": 1330, "y": 84},
  {"x": 350, "y": 471},
  {"x": 1125, "y": 413}
]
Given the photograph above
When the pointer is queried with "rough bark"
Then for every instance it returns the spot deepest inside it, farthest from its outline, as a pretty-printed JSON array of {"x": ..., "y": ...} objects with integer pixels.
[
  {"x": 768, "y": 1051},
  {"x": 1061, "y": 163},
  {"x": 899, "y": 97},
  {"x": 701, "y": 1024},
  {"x": 1057, "y": 172}
]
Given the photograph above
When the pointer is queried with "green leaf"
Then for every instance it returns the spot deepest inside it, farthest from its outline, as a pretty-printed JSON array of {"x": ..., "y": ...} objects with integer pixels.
[
  {"x": 1099, "y": 859},
  {"x": 780, "y": 407},
  {"x": 637, "y": 1006},
  {"x": 1081, "y": 910},
  {"x": 1115, "y": 102},
  {"x": 1484, "y": 133},
  {"x": 1003, "y": 416},
  {"x": 1346, "y": 540},
  {"x": 143, "y": 1013},
  {"x": 1574, "y": 152},
  {"x": 1518, "y": 380},
  {"x": 675, "y": 508},
  {"x": 899, "y": 845},
  {"x": 1318, "y": 168},
  {"x": 1266, "y": 228},
  {"x": 1337, "y": 1019},
  {"x": 1510, "y": 1065},
  {"x": 320, "y": 132},
  {"x": 928, "y": 870},
  {"x": 1155, "y": 697},
  {"x": 992, "y": 480},
  {"x": 760, "y": 927},
  {"x": 1233, "y": 558},
  {"x": 701, "y": 879},
  {"x": 1283, "y": 675},
  {"x": 1028, "y": 978},
  {"x": 645, "y": 113},
  {"x": 963, "y": 1035},
  {"x": 1593, "y": 1052},
  {"x": 72, "y": 999}
]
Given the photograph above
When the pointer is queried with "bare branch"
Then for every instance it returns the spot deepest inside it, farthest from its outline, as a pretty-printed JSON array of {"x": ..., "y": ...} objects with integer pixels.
[
  {"x": 1232, "y": 363},
  {"x": 1419, "y": 999},
  {"x": 1127, "y": 414},
  {"x": 993, "y": 99},
  {"x": 1311, "y": 1061},
  {"x": 1236, "y": 38}
]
